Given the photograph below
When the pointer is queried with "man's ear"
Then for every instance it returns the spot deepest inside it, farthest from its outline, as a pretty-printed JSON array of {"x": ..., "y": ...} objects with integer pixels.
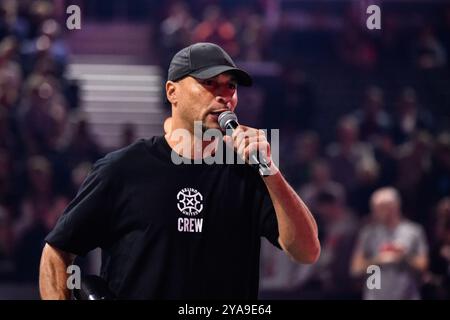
[{"x": 171, "y": 92}]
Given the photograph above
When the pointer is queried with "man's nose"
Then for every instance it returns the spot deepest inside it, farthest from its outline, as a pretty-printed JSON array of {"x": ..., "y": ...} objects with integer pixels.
[{"x": 226, "y": 101}]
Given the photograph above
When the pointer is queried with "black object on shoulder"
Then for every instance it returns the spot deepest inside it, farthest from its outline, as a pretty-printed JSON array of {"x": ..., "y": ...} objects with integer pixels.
[{"x": 93, "y": 288}]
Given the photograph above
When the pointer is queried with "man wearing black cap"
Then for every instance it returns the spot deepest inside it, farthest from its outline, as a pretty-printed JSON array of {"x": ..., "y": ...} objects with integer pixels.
[{"x": 187, "y": 231}]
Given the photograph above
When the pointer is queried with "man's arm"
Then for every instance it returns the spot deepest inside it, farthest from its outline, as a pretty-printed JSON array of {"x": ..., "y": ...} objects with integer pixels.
[
  {"x": 53, "y": 273},
  {"x": 298, "y": 234}
]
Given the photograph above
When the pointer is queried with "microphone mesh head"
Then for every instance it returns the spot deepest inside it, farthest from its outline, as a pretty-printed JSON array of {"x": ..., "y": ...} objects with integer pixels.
[{"x": 225, "y": 117}]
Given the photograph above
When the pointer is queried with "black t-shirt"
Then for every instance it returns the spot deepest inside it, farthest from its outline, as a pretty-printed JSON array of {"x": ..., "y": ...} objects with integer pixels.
[{"x": 167, "y": 231}]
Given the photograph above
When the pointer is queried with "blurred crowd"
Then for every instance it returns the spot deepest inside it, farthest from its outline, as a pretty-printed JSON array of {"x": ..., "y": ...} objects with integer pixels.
[
  {"x": 45, "y": 145},
  {"x": 374, "y": 169}
]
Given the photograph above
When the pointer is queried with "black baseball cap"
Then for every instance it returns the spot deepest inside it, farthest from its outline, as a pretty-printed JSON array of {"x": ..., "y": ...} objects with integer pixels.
[{"x": 205, "y": 60}]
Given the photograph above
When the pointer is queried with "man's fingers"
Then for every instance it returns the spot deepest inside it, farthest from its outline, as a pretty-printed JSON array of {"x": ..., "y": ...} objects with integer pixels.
[
  {"x": 243, "y": 130},
  {"x": 262, "y": 150},
  {"x": 247, "y": 141},
  {"x": 244, "y": 133},
  {"x": 228, "y": 141},
  {"x": 244, "y": 141}
]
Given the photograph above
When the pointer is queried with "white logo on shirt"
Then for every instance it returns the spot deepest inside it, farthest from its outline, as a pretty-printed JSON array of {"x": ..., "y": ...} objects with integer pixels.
[{"x": 190, "y": 204}]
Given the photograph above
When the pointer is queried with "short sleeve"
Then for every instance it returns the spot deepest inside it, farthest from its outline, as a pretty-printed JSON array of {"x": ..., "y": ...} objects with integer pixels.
[{"x": 83, "y": 225}]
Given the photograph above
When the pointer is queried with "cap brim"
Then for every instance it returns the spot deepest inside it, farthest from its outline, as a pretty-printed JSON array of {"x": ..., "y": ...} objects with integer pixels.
[{"x": 242, "y": 77}]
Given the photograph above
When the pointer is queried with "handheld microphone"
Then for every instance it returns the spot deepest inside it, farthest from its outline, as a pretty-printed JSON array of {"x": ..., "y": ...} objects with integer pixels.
[{"x": 228, "y": 120}]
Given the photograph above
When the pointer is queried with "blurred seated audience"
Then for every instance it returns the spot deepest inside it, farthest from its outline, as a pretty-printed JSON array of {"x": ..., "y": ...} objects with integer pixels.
[{"x": 396, "y": 245}]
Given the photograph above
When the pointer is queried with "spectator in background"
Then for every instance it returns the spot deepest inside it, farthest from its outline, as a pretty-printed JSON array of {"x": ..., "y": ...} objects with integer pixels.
[
  {"x": 10, "y": 74},
  {"x": 57, "y": 48},
  {"x": 39, "y": 196},
  {"x": 10, "y": 89},
  {"x": 42, "y": 111},
  {"x": 47, "y": 52},
  {"x": 372, "y": 118},
  {"x": 5, "y": 27},
  {"x": 444, "y": 30},
  {"x": 398, "y": 246},
  {"x": 216, "y": 28},
  {"x": 321, "y": 181},
  {"x": 414, "y": 164},
  {"x": 345, "y": 154},
  {"x": 8, "y": 197},
  {"x": 176, "y": 30},
  {"x": 31, "y": 15},
  {"x": 367, "y": 181},
  {"x": 385, "y": 155},
  {"x": 40, "y": 210},
  {"x": 6, "y": 243},
  {"x": 82, "y": 146},
  {"x": 298, "y": 100},
  {"x": 251, "y": 33},
  {"x": 438, "y": 278},
  {"x": 429, "y": 51},
  {"x": 355, "y": 49},
  {"x": 438, "y": 180},
  {"x": 280, "y": 276},
  {"x": 305, "y": 152},
  {"x": 409, "y": 117},
  {"x": 6, "y": 137},
  {"x": 391, "y": 42},
  {"x": 340, "y": 229}
]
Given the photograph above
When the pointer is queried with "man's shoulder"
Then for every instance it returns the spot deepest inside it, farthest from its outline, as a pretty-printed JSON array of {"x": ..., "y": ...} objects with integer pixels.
[{"x": 127, "y": 156}]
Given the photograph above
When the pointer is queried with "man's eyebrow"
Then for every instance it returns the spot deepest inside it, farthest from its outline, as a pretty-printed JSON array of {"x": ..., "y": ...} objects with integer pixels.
[{"x": 233, "y": 79}]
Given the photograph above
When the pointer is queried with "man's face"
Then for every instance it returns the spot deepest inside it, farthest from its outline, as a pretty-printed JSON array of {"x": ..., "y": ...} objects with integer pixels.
[{"x": 204, "y": 100}]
